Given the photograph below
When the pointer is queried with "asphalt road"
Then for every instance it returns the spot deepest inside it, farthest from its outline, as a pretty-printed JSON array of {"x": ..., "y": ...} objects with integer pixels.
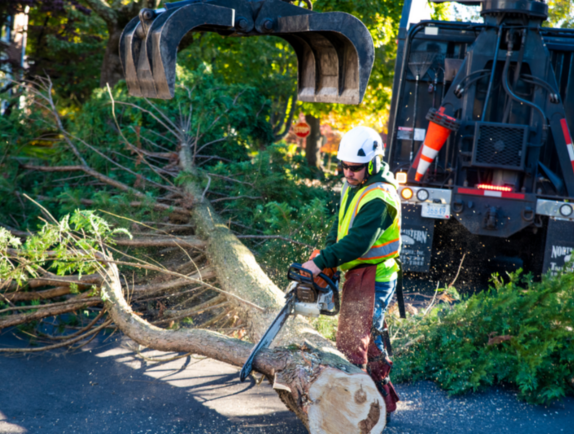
[{"x": 105, "y": 389}]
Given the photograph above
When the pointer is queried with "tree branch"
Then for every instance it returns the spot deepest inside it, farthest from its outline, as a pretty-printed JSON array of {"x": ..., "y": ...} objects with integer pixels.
[
  {"x": 186, "y": 241},
  {"x": 227, "y": 178},
  {"x": 104, "y": 11},
  {"x": 236, "y": 197},
  {"x": 44, "y": 313},
  {"x": 112, "y": 182}
]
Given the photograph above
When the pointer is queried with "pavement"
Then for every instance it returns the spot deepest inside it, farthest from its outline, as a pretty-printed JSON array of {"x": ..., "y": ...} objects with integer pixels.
[{"x": 104, "y": 388}]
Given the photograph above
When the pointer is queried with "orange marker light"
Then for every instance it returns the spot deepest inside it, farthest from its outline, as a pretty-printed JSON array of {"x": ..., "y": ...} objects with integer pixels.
[{"x": 406, "y": 193}]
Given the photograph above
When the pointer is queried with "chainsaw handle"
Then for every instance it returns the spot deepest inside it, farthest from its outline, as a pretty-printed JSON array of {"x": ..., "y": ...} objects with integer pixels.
[
  {"x": 337, "y": 301},
  {"x": 294, "y": 273}
]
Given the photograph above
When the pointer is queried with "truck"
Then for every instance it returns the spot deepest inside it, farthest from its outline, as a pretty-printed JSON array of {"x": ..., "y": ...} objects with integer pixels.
[{"x": 480, "y": 141}]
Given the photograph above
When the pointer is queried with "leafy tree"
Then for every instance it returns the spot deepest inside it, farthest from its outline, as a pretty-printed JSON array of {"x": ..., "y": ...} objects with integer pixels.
[
  {"x": 561, "y": 14},
  {"x": 68, "y": 46},
  {"x": 64, "y": 41}
]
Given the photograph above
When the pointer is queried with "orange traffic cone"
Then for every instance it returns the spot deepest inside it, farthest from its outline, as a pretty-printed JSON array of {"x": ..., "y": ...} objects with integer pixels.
[{"x": 434, "y": 141}]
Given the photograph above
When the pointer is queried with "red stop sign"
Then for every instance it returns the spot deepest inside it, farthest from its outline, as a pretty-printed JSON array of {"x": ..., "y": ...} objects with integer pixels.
[{"x": 302, "y": 129}]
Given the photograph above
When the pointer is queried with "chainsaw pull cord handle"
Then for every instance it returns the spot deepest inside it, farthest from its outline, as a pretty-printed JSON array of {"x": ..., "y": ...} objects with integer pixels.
[{"x": 336, "y": 298}]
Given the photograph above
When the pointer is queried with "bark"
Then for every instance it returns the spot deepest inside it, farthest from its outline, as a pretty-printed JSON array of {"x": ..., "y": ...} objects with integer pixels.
[
  {"x": 183, "y": 241},
  {"x": 313, "y": 143},
  {"x": 38, "y": 295}
]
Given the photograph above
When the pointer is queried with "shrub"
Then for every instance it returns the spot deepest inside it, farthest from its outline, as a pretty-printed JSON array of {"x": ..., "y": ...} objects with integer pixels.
[{"x": 519, "y": 332}]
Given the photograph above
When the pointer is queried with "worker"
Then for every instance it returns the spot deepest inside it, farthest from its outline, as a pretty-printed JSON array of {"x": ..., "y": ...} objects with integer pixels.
[{"x": 365, "y": 242}]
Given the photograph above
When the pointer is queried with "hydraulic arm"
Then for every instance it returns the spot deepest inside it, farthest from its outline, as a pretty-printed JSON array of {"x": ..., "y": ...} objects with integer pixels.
[{"x": 335, "y": 51}]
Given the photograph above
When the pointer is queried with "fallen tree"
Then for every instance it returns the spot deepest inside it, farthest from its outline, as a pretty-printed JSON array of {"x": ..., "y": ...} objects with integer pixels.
[{"x": 326, "y": 392}]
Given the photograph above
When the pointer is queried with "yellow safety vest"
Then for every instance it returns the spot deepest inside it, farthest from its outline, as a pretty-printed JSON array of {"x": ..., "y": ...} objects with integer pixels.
[{"x": 388, "y": 245}]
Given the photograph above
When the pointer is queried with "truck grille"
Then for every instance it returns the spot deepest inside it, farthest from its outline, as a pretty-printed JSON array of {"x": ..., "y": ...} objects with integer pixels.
[{"x": 499, "y": 146}]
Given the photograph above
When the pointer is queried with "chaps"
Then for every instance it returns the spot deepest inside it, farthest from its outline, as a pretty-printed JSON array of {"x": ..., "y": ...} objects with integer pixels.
[{"x": 354, "y": 334}]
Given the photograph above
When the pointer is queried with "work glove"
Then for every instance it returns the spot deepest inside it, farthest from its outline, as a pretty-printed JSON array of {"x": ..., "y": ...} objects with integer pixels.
[{"x": 329, "y": 272}]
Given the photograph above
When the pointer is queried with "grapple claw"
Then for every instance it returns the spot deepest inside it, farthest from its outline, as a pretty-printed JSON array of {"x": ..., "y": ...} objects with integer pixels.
[
  {"x": 335, "y": 53},
  {"x": 169, "y": 29},
  {"x": 130, "y": 45},
  {"x": 334, "y": 50}
]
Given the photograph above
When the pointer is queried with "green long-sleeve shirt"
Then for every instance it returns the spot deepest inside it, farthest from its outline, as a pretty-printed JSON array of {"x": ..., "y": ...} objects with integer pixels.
[{"x": 371, "y": 221}]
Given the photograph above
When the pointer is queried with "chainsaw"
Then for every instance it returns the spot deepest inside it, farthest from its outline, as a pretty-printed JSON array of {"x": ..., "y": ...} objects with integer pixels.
[{"x": 304, "y": 296}]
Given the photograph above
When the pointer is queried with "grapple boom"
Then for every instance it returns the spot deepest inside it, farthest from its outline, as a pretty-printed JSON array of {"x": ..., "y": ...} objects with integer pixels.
[{"x": 334, "y": 50}]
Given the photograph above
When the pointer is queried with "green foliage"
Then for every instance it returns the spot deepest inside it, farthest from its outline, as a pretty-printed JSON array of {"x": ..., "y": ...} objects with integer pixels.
[
  {"x": 274, "y": 198},
  {"x": 66, "y": 246},
  {"x": 68, "y": 44},
  {"x": 440, "y": 11},
  {"x": 519, "y": 332},
  {"x": 561, "y": 14},
  {"x": 228, "y": 121},
  {"x": 267, "y": 193}
]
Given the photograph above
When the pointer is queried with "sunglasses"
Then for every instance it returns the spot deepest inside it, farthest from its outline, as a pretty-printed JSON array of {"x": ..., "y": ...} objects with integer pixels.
[{"x": 353, "y": 169}]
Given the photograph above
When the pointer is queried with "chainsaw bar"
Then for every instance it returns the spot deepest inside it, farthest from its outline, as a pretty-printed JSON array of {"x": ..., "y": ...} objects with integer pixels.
[{"x": 269, "y": 335}]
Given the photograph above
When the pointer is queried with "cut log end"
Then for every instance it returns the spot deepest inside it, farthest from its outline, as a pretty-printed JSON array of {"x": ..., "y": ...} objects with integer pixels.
[
  {"x": 334, "y": 401},
  {"x": 345, "y": 403}
]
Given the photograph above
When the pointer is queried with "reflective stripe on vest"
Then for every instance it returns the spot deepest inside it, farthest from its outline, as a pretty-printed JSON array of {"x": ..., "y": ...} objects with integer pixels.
[{"x": 383, "y": 251}]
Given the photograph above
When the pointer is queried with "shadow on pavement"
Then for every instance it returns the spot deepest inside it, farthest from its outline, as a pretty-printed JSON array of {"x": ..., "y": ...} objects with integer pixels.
[{"x": 105, "y": 389}]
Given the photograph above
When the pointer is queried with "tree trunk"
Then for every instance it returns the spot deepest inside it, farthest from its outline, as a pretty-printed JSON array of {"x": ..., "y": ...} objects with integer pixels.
[
  {"x": 326, "y": 392},
  {"x": 313, "y": 144},
  {"x": 112, "y": 71}
]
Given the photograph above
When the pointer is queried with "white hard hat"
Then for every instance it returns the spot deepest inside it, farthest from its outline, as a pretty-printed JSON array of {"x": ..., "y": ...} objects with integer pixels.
[{"x": 360, "y": 145}]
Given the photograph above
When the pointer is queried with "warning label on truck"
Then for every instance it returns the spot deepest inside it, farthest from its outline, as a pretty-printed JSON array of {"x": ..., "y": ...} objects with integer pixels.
[
  {"x": 559, "y": 246},
  {"x": 416, "y": 236}
]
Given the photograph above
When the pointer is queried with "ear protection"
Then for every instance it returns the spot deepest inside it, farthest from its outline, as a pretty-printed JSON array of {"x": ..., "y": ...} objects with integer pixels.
[{"x": 375, "y": 164}]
